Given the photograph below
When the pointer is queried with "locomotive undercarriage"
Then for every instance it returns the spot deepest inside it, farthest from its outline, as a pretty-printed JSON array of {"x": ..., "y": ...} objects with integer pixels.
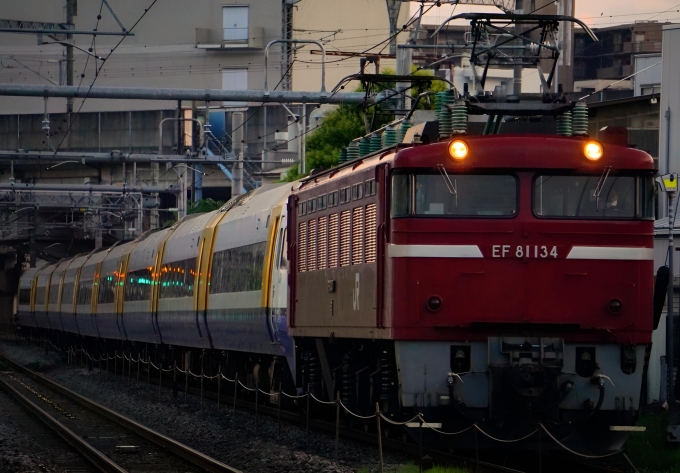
[{"x": 453, "y": 385}]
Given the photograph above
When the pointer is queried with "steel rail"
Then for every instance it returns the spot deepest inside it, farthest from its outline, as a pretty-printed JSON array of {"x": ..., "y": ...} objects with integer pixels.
[
  {"x": 345, "y": 432},
  {"x": 179, "y": 449},
  {"x": 91, "y": 454}
]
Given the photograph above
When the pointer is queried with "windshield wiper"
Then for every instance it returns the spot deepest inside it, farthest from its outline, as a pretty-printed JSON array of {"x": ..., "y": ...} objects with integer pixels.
[
  {"x": 600, "y": 186},
  {"x": 449, "y": 185}
]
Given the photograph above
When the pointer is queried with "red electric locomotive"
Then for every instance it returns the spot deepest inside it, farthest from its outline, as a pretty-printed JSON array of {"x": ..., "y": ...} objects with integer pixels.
[
  {"x": 495, "y": 283},
  {"x": 498, "y": 280}
]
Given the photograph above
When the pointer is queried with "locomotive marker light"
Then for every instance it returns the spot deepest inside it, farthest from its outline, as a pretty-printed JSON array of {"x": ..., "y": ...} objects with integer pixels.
[
  {"x": 669, "y": 183},
  {"x": 458, "y": 149},
  {"x": 593, "y": 150}
]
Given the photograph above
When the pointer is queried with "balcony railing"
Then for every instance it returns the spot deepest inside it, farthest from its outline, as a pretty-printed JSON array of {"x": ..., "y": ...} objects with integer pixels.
[{"x": 251, "y": 37}]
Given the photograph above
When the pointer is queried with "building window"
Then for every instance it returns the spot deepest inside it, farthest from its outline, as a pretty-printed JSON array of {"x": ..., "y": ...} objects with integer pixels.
[
  {"x": 235, "y": 23},
  {"x": 235, "y": 79},
  {"x": 650, "y": 89}
]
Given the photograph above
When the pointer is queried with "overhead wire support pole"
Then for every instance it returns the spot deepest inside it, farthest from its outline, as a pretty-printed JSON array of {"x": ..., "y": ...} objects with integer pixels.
[{"x": 296, "y": 41}]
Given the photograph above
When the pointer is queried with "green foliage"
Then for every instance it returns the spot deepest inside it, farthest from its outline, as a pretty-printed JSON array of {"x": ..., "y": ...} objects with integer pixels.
[
  {"x": 347, "y": 123},
  {"x": 339, "y": 128},
  {"x": 292, "y": 174},
  {"x": 649, "y": 450},
  {"x": 204, "y": 205}
]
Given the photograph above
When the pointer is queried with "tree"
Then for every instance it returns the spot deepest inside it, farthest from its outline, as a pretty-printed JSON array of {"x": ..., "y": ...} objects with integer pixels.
[
  {"x": 348, "y": 122},
  {"x": 204, "y": 205}
]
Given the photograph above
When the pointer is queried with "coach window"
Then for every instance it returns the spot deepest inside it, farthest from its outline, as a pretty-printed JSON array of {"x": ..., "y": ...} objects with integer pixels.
[
  {"x": 321, "y": 202},
  {"x": 311, "y": 205},
  {"x": 333, "y": 199},
  {"x": 401, "y": 195},
  {"x": 357, "y": 191},
  {"x": 302, "y": 208}
]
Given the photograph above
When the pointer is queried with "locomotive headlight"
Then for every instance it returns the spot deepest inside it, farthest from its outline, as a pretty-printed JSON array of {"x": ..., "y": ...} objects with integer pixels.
[
  {"x": 458, "y": 149},
  {"x": 593, "y": 150}
]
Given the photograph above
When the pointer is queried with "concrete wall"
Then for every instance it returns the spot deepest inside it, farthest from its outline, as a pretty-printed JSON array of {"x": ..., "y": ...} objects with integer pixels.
[
  {"x": 670, "y": 100},
  {"x": 648, "y": 72},
  {"x": 359, "y": 24},
  {"x": 162, "y": 53}
]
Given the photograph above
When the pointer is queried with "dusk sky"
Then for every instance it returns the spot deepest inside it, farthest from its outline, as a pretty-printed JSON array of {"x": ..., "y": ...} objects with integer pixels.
[
  {"x": 592, "y": 12},
  {"x": 606, "y": 12}
]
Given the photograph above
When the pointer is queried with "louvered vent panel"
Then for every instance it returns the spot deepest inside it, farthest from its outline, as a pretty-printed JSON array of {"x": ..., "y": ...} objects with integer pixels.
[
  {"x": 311, "y": 247},
  {"x": 345, "y": 238},
  {"x": 302, "y": 247},
  {"x": 358, "y": 235},
  {"x": 333, "y": 241},
  {"x": 371, "y": 241},
  {"x": 323, "y": 244}
]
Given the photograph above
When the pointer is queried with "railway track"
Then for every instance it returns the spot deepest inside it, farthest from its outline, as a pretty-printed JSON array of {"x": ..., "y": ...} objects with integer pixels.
[
  {"x": 108, "y": 441},
  {"x": 359, "y": 433}
]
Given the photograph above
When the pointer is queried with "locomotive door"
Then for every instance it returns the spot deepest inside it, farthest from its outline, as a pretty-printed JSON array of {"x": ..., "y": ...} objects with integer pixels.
[{"x": 278, "y": 292}]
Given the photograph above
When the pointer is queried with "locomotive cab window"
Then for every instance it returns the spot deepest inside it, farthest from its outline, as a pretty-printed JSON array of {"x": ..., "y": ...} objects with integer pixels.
[
  {"x": 454, "y": 195},
  {"x": 594, "y": 197}
]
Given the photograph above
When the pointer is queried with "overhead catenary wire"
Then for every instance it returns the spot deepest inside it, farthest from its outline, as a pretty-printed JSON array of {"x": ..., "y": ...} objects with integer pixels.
[{"x": 82, "y": 103}]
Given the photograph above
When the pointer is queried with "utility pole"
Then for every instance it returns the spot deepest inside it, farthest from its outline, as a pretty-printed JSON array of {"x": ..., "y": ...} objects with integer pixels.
[
  {"x": 238, "y": 147},
  {"x": 565, "y": 74},
  {"x": 71, "y": 11},
  {"x": 517, "y": 69},
  {"x": 669, "y": 184}
]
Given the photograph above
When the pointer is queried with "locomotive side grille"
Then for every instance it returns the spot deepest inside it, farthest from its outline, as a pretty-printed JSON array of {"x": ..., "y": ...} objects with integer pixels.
[
  {"x": 345, "y": 223},
  {"x": 311, "y": 247},
  {"x": 333, "y": 241},
  {"x": 358, "y": 235},
  {"x": 371, "y": 243},
  {"x": 323, "y": 254},
  {"x": 302, "y": 248}
]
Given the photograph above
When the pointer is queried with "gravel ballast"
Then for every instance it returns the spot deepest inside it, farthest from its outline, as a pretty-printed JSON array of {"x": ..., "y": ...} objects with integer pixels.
[{"x": 233, "y": 442}]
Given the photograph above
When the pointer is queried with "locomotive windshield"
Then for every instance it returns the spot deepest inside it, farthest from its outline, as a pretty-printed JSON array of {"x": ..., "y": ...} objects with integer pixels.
[
  {"x": 597, "y": 197},
  {"x": 455, "y": 195}
]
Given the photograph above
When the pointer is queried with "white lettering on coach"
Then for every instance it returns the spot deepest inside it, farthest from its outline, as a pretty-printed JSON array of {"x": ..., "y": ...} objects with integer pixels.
[{"x": 526, "y": 251}]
